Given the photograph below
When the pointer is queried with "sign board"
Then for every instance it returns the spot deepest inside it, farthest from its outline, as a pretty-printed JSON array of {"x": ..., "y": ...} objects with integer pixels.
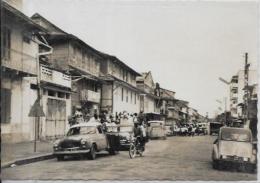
[{"x": 36, "y": 110}]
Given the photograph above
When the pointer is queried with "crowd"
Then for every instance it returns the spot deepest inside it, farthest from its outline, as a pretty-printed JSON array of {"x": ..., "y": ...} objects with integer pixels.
[{"x": 105, "y": 117}]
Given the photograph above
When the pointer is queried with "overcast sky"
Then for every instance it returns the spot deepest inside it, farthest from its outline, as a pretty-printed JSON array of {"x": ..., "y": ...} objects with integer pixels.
[{"x": 186, "y": 45}]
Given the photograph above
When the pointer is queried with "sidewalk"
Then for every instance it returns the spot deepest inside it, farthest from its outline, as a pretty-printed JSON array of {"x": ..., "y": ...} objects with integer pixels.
[{"x": 23, "y": 153}]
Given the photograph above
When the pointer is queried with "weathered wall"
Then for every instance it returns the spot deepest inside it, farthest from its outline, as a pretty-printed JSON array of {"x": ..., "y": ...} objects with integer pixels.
[
  {"x": 149, "y": 105},
  {"x": 121, "y": 73},
  {"x": 129, "y": 104},
  {"x": 22, "y": 98},
  {"x": 106, "y": 97}
]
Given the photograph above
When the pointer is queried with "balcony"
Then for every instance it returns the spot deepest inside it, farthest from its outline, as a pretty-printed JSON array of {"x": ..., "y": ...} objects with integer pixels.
[
  {"x": 90, "y": 96},
  {"x": 55, "y": 77},
  {"x": 19, "y": 61}
]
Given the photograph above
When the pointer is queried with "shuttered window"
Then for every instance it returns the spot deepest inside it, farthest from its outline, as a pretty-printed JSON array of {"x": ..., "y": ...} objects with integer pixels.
[
  {"x": 5, "y": 105},
  {"x": 6, "y": 43}
]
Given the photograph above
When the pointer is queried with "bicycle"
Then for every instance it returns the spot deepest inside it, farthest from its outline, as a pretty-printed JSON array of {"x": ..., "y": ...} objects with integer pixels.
[{"x": 136, "y": 147}]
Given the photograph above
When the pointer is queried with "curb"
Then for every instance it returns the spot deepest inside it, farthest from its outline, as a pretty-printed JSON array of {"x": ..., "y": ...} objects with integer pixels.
[{"x": 28, "y": 160}]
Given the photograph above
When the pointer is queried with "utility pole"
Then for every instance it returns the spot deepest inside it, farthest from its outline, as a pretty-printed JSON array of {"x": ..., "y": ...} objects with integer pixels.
[{"x": 246, "y": 93}]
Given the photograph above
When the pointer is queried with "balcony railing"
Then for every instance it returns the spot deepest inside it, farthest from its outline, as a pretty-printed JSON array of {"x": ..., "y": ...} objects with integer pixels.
[
  {"x": 19, "y": 61},
  {"x": 91, "y": 96},
  {"x": 55, "y": 77}
]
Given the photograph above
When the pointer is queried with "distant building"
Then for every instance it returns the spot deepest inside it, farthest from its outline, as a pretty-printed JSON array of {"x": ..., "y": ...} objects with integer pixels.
[
  {"x": 148, "y": 98},
  {"x": 119, "y": 92},
  {"x": 237, "y": 85}
]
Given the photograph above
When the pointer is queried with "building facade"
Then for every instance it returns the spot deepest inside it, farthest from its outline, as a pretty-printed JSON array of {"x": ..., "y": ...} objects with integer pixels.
[
  {"x": 119, "y": 92},
  {"x": 148, "y": 99},
  {"x": 82, "y": 62},
  {"x": 237, "y": 92},
  {"x": 19, "y": 59}
]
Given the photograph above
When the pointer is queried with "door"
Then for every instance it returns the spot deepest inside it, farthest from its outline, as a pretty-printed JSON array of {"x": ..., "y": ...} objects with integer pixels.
[
  {"x": 56, "y": 118},
  {"x": 101, "y": 138}
]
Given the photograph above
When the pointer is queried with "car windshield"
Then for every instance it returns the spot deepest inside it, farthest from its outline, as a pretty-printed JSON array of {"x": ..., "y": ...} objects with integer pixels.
[
  {"x": 82, "y": 130},
  {"x": 235, "y": 135},
  {"x": 126, "y": 128}
]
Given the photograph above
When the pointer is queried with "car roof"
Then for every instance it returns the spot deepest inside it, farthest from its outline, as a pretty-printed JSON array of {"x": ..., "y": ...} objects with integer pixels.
[{"x": 95, "y": 124}]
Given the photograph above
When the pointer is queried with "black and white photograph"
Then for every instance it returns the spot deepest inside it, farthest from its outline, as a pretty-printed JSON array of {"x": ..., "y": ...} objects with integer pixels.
[{"x": 129, "y": 90}]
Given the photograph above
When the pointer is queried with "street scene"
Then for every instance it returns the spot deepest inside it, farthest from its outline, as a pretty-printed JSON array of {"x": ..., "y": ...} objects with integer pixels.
[
  {"x": 172, "y": 161},
  {"x": 98, "y": 91}
]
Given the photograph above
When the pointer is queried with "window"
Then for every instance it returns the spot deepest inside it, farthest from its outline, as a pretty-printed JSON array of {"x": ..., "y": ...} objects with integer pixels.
[
  {"x": 27, "y": 38},
  {"x": 6, "y": 43},
  {"x": 122, "y": 94},
  {"x": 126, "y": 95},
  {"x": 5, "y": 105}
]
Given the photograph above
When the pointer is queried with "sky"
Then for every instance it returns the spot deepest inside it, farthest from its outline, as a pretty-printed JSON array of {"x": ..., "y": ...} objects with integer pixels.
[{"x": 187, "y": 45}]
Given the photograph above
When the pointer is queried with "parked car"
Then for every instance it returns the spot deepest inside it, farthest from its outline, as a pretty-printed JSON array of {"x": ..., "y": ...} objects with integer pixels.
[
  {"x": 125, "y": 135},
  {"x": 201, "y": 129},
  {"x": 234, "y": 147},
  {"x": 86, "y": 139},
  {"x": 156, "y": 129},
  {"x": 184, "y": 129}
]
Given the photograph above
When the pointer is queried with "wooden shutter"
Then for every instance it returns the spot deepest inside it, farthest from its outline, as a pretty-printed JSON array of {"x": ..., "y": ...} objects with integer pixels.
[{"x": 5, "y": 105}]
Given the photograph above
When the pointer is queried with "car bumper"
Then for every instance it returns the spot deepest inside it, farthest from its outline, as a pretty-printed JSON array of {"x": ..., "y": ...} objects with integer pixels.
[
  {"x": 71, "y": 152},
  {"x": 236, "y": 163}
]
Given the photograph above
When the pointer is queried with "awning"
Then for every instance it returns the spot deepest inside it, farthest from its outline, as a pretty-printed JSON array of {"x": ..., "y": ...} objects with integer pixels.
[
  {"x": 56, "y": 88},
  {"x": 75, "y": 72}
]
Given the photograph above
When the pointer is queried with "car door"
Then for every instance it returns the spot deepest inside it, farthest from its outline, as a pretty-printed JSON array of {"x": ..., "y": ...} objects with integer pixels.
[{"x": 101, "y": 137}]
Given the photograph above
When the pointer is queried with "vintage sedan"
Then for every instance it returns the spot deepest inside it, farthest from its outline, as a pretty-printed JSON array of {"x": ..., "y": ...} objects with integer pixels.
[
  {"x": 234, "y": 147},
  {"x": 85, "y": 139}
]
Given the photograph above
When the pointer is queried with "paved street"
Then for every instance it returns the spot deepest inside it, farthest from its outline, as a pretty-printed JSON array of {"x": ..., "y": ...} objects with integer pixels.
[{"x": 177, "y": 158}]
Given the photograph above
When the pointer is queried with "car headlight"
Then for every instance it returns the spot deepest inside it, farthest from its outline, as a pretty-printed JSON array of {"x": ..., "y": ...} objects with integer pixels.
[
  {"x": 224, "y": 157},
  {"x": 83, "y": 142},
  {"x": 245, "y": 158},
  {"x": 56, "y": 143}
]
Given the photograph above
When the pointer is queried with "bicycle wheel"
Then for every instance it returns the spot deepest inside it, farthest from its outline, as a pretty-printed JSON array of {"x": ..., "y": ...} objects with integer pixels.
[{"x": 132, "y": 151}]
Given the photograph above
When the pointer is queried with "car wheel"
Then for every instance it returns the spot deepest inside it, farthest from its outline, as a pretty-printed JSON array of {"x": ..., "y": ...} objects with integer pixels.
[
  {"x": 92, "y": 154},
  {"x": 60, "y": 158},
  {"x": 215, "y": 164},
  {"x": 250, "y": 168},
  {"x": 112, "y": 151}
]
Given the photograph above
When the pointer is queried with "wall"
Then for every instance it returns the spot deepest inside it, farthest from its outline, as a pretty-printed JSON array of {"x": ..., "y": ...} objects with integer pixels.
[
  {"x": 149, "y": 104},
  {"x": 60, "y": 56},
  {"x": 22, "y": 98},
  {"x": 83, "y": 59},
  {"x": 119, "y": 72},
  {"x": 22, "y": 54},
  {"x": 131, "y": 106},
  {"x": 18, "y": 4},
  {"x": 107, "y": 97},
  {"x": 44, "y": 101}
]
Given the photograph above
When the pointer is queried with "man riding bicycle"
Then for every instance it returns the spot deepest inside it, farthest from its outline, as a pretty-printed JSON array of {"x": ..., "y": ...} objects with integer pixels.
[{"x": 140, "y": 134}]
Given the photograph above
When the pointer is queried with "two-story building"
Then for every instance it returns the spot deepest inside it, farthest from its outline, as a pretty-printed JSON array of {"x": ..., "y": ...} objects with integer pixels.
[
  {"x": 78, "y": 59},
  {"x": 20, "y": 44},
  {"x": 149, "y": 102},
  {"x": 56, "y": 92},
  {"x": 119, "y": 92}
]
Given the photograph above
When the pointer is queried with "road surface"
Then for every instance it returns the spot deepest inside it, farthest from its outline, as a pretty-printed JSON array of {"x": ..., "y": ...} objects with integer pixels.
[{"x": 177, "y": 158}]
